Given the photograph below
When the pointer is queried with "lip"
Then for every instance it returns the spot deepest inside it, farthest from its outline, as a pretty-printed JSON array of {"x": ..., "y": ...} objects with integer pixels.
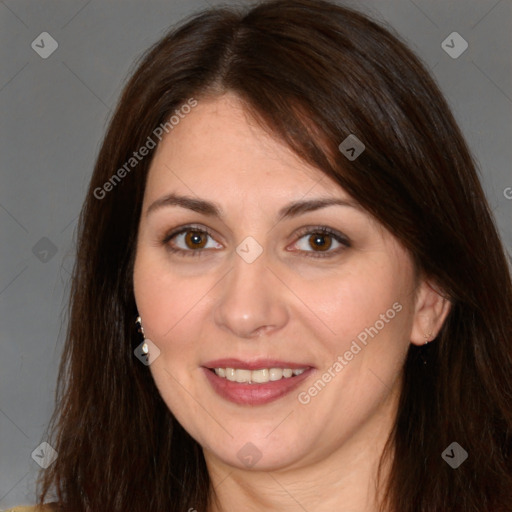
[
  {"x": 254, "y": 394},
  {"x": 256, "y": 364}
]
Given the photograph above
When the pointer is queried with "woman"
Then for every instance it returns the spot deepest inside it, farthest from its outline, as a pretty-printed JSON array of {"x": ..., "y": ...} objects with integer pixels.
[{"x": 289, "y": 293}]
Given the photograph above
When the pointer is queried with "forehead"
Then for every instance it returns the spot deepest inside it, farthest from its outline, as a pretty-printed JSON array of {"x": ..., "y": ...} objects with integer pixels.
[{"x": 218, "y": 148}]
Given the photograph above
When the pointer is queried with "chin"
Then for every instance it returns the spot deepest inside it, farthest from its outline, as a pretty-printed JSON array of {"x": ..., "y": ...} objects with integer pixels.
[{"x": 250, "y": 450}]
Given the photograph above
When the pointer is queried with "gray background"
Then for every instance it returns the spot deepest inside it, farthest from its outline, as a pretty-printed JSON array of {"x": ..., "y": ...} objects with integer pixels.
[{"x": 54, "y": 113}]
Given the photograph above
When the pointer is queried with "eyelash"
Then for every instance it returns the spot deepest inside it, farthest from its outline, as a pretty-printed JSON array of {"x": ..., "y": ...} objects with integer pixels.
[
  {"x": 181, "y": 230},
  {"x": 309, "y": 230},
  {"x": 323, "y": 230}
]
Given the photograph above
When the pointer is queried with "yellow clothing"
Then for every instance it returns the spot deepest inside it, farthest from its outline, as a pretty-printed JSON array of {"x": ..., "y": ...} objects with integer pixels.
[{"x": 28, "y": 509}]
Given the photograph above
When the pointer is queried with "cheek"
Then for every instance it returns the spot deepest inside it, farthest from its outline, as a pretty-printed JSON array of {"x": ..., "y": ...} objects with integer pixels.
[
  {"x": 368, "y": 313},
  {"x": 166, "y": 301},
  {"x": 347, "y": 303},
  {"x": 172, "y": 314}
]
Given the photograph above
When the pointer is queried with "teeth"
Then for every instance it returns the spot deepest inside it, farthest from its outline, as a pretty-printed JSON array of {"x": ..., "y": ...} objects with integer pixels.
[
  {"x": 243, "y": 375},
  {"x": 257, "y": 376},
  {"x": 276, "y": 374}
]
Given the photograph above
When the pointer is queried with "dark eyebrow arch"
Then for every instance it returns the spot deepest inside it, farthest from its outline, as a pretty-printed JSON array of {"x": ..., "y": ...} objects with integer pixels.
[
  {"x": 196, "y": 205},
  {"x": 299, "y": 207},
  {"x": 213, "y": 210}
]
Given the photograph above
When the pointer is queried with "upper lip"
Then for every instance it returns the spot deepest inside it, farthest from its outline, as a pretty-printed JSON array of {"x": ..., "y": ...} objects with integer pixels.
[{"x": 254, "y": 364}]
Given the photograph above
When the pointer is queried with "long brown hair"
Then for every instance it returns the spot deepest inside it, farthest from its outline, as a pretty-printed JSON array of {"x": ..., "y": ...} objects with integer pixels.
[{"x": 312, "y": 73}]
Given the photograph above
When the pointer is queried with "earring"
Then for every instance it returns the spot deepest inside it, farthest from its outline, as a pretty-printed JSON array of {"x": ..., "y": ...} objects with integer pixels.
[
  {"x": 138, "y": 322},
  {"x": 427, "y": 337}
]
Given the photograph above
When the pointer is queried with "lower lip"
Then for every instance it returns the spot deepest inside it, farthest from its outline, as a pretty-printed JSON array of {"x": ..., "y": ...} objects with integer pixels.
[{"x": 254, "y": 394}]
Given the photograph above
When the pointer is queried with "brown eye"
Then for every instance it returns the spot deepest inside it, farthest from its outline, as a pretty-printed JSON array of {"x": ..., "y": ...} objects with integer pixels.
[
  {"x": 320, "y": 241},
  {"x": 191, "y": 241},
  {"x": 195, "y": 239}
]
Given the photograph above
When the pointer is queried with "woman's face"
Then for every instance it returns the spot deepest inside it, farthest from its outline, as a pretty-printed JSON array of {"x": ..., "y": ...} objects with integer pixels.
[{"x": 251, "y": 261}]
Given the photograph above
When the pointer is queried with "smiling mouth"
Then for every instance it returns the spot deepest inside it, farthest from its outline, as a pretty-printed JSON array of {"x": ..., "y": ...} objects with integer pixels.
[
  {"x": 255, "y": 383},
  {"x": 260, "y": 376}
]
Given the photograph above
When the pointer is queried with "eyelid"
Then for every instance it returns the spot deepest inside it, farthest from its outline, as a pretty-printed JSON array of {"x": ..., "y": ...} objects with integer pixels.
[
  {"x": 187, "y": 227},
  {"x": 311, "y": 230},
  {"x": 183, "y": 229},
  {"x": 304, "y": 231}
]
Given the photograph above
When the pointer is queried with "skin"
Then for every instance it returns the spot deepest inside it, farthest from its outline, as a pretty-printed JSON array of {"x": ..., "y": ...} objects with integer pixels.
[{"x": 287, "y": 304}]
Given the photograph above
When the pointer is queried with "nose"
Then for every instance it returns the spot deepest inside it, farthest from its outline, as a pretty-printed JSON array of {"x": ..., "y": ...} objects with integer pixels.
[{"x": 251, "y": 302}]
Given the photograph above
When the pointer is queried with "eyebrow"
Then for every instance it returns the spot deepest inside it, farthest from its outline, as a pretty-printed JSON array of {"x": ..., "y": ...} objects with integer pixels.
[
  {"x": 212, "y": 209},
  {"x": 197, "y": 205}
]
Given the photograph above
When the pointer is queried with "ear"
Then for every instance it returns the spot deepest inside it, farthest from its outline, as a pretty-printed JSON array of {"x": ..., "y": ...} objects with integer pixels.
[{"x": 431, "y": 310}]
